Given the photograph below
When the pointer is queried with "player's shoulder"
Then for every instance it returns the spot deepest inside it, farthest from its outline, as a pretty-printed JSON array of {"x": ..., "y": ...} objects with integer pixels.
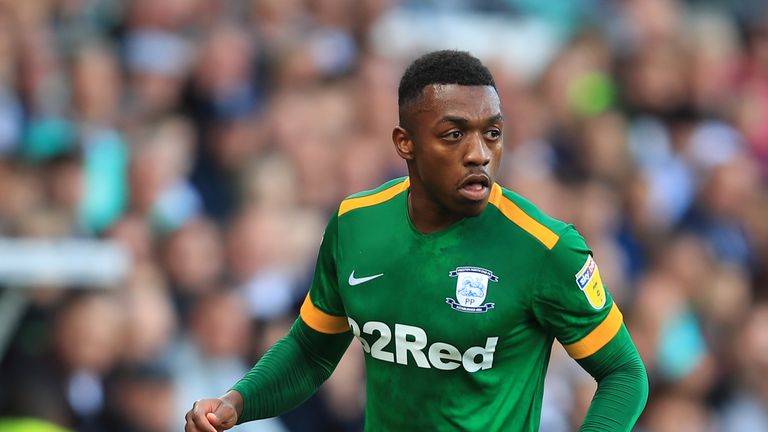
[
  {"x": 372, "y": 198},
  {"x": 525, "y": 215}
]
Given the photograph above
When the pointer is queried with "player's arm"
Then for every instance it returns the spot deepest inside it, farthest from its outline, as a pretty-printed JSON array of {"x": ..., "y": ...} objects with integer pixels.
[
  {"x": 571, "y": 303},
  {"x": 295, "y": 367},
  {"x": 289, "y": 373},
  {"x": 622, "y": 385},
  {"x": 298, "y": 364}
]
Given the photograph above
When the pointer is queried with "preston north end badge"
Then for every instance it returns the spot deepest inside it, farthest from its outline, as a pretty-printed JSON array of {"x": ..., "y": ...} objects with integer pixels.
[{"x": 471, "y": 288}]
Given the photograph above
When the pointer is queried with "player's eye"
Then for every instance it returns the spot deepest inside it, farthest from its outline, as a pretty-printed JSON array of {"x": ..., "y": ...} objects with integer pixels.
[
  {"x": 453, "y": 135},
  {"x": 493, "y": 134}
]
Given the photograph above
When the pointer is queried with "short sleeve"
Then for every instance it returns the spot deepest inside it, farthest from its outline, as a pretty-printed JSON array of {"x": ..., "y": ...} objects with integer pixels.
[
  {"x": 570, "y": 300},
  {"x": 323, "y": 309}
]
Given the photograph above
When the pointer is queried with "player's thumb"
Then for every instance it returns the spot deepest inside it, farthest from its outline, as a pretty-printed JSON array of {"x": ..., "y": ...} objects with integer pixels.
[
  {"x": 220, "y": 419},
  {"x": 213, "y": 419}
]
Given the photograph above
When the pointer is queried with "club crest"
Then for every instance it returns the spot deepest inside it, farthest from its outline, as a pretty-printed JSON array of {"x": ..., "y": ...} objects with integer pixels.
[{"x": 471, "y": 289}]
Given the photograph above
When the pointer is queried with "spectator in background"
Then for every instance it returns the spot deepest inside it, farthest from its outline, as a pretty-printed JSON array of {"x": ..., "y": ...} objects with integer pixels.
[
  {"x": 161, "y": 160},
  {"x": 747, "y": 408},
  {"x": 193, "y": 258},
  {"x": 151, "y": 320},
  {"x": 87, "y": 341},
  {"x": 89, "y": 131},
  {"x": 66, "y": 382},
  {"x": 140, "y": 396},
  {"x": 226, "y": 102}
]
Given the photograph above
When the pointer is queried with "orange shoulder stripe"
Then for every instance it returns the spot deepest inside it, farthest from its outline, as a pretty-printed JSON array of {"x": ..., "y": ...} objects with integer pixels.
[
  {"x": 377, "y": 198},
  {"x": 522, "y": 219}
]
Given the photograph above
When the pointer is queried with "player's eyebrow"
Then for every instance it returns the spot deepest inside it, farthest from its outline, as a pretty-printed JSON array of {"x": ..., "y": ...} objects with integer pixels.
[
  {"x": 498, "y": 118},
  {"x": 461, "y": 121}
]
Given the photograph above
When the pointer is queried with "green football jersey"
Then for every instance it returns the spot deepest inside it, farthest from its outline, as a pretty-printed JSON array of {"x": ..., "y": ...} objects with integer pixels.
[{"x": 457, "y": 325}]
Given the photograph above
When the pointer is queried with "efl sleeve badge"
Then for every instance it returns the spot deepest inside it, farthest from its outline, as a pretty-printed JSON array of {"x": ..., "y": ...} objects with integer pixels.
[{"x": 588, "y": 280}]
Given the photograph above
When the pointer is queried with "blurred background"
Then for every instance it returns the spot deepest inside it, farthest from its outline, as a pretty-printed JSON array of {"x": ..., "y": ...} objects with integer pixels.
[{"x": 167, "y": 169}]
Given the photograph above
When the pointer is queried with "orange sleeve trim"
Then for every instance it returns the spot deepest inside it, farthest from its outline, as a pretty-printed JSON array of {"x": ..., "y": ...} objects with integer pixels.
[
  {"x": 514, "y": 213},
  {"x": 321, "y": 321},
  {"x": 350, "y": 204},
  {"x": 599, "y": 337}
]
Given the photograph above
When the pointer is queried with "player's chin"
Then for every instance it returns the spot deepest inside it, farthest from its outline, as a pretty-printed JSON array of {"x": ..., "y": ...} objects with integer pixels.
[{"x": 472, "y": 208}]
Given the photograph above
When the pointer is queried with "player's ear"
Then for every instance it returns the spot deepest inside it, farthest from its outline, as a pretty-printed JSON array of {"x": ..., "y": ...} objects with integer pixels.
[{"x": 403, "y": 142}]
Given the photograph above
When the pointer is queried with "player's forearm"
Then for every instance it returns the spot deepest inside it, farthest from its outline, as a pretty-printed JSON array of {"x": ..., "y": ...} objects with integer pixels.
[
  {"x": 622, "y": 386},
  {"x": 290, "y": 372}
]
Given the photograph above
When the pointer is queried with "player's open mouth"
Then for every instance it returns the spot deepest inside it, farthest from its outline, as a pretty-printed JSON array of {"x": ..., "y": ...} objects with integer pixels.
[{"x": 475, "y": 187}]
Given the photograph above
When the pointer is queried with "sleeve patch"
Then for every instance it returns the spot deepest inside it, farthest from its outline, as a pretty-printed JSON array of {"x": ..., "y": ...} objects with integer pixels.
[
  {"x": 597, "y": 338},
  {"x": 589, "y": 282},
  {"x": 321, "y": 321}
]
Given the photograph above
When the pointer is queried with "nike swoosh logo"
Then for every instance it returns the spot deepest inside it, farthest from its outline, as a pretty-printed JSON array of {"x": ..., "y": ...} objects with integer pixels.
[{"x": 357, "y": 281}]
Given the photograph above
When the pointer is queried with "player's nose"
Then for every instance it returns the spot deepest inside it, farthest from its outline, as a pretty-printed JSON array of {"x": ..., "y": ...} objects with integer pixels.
[{"x": 477, "y": 152}]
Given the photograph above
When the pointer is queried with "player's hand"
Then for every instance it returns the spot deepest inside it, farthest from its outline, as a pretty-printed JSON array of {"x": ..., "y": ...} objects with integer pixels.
[{"x": 213, "y": 415}]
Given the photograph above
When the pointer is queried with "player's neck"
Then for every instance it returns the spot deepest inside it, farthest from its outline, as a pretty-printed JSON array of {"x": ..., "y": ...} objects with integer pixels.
[{"x": 428, "y": 217}]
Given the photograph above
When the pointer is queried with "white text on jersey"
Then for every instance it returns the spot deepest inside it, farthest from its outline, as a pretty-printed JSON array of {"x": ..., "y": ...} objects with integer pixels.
[{"x": 413, "y": 340}]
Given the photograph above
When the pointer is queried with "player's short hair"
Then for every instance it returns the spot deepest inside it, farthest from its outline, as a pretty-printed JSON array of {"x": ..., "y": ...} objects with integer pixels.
[{"x": 441, "y": 67}]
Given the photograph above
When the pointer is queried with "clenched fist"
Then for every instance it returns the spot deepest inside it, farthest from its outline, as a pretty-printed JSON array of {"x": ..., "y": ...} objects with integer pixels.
[{"x": 214, "y": 415}]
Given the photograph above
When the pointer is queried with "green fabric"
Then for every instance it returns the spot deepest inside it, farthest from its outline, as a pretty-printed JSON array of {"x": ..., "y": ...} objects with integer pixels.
[
  {"x": 456, "y": 325},
  {"x": 290, "y": 372},
  {"x": 559, "y": 304},
  {"x": 622, "y": 386}
]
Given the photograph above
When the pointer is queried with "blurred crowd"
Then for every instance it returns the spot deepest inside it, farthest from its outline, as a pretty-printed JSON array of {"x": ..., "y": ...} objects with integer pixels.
[{"x": 212, "y": 139}]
